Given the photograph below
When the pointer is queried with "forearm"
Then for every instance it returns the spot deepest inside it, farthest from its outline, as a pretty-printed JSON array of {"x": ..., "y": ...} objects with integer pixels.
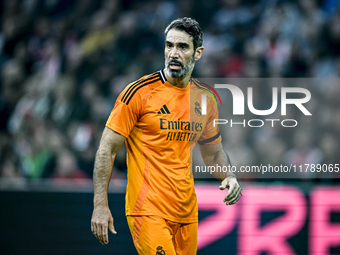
[
  {"x": 214, "y": 156},
  {"x": 110, "y": 143},
  {"x": 102, "y": 175},
  {"x": 220, "y": 160},
  {"x": 101, "y": 216}
]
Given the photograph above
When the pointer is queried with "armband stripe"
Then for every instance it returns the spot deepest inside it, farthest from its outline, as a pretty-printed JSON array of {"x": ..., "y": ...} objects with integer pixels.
[{"x": 209, "y": 139}]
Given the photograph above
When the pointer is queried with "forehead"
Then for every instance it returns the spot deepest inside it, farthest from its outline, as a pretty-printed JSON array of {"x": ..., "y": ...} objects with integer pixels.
[{"x": 177, "y": 36}]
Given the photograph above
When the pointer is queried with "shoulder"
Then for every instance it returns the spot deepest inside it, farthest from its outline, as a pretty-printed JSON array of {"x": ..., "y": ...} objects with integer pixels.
[
  {"x": 201, "y": 88},
  {"x": 141, "y": 87}
]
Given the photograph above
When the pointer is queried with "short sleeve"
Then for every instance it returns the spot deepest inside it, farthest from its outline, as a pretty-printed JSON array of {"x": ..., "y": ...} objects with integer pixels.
[
  {"x": 124, "y": 116},
  {"x": 211, "y": 134}
]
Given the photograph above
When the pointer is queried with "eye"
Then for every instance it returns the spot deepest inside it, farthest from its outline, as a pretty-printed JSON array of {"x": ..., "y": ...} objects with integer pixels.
[{"x": 183, "y": 47}]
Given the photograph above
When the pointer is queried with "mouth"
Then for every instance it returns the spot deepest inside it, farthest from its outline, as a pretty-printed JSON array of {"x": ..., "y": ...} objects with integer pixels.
[{"x": 175, "y": 65}]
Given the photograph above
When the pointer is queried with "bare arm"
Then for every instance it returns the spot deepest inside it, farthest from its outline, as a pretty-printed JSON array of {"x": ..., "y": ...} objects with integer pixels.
[
  {"x": 214, "y": 155},
  {"x": 102, "y": 219}
]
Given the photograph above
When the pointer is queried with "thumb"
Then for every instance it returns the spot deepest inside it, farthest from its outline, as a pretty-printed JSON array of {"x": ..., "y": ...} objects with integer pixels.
[
  {"x": 224, "y": 185},
  {"x": 111, "y": 227}
]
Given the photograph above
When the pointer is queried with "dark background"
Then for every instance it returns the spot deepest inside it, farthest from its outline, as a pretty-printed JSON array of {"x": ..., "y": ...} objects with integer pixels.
[{"x": 58, "y": 222}]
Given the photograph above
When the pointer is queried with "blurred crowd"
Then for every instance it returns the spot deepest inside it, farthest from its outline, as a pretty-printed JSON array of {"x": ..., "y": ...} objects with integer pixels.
[{"x": 63, "y": 63}]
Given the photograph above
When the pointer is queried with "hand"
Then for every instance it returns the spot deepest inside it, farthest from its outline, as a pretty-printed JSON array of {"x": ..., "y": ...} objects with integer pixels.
[
  {"x": 234, "y": 190},
  {"x": 100, "y": 222}
]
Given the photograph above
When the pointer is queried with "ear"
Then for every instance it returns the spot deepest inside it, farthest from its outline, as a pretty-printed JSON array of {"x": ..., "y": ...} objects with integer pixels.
[{"x": 198, "y": 53}]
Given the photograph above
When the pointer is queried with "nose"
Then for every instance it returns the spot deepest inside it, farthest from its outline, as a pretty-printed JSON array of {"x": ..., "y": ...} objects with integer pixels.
[{"x": 173, "y": 53}]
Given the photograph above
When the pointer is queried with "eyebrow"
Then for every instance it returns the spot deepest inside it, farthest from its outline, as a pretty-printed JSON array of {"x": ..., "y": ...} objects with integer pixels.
[{"x": 180, "y": 43}]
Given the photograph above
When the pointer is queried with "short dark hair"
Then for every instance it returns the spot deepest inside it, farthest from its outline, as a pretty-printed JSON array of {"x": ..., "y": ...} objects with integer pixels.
[{"x": 190, "y": 26}]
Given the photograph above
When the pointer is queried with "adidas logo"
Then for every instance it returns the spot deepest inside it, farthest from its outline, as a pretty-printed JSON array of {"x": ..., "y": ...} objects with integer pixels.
[{"x": 164, "y": 110}]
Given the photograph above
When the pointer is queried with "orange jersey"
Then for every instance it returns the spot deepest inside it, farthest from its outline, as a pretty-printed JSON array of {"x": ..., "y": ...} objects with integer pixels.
[{"x": 161, "y": 130}]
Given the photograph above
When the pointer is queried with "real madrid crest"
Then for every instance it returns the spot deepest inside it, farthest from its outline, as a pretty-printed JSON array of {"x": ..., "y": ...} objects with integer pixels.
[{"x": 198, "y": 109}]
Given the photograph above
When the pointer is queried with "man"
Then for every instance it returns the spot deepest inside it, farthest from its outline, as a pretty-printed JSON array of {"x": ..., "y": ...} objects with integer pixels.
[{"x": 153, "y": 117}]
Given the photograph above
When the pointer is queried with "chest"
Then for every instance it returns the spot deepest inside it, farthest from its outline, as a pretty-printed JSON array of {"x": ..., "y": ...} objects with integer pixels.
[{"x": 173, "y": 117}]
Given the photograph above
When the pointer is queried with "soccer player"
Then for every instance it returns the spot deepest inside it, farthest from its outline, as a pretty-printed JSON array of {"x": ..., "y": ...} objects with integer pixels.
[{"x": 152, "y": 115}]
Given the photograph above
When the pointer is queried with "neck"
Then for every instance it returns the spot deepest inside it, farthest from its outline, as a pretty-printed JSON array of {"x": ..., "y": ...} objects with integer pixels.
[{"x": 178, "y": 82}]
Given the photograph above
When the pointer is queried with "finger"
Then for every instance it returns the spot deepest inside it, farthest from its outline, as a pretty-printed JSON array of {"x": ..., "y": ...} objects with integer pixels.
[
  {"x": 235, "y": 199},
  {"x": 105, "y": 238},
  {"x": 231, "y": 202},
  {"x": 111, "y": 226},
  {"x": 231, "y": 197},
  {"x": 233, "y": 191},
  {"x": 100, "y": 233},
  {"x": 237, "y": 193},
  {"x": 230, "y": 191},
  {"x": 224, "y": 185},
  {"x": 94, "y": 229}
]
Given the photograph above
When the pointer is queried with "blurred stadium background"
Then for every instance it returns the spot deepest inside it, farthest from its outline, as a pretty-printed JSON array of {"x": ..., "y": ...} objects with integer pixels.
[{"x": 63, "y": 63}]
